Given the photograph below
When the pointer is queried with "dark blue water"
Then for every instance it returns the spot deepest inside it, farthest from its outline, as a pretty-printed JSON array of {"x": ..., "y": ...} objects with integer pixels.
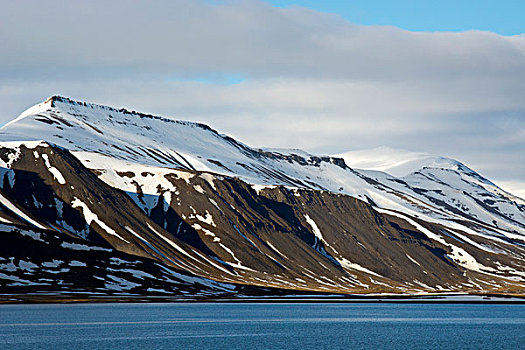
[{"x": 262, "y": 326}]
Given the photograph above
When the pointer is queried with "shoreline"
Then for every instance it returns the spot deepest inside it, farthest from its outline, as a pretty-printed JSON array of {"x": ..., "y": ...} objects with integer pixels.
[{"x": 445, "y": 298}]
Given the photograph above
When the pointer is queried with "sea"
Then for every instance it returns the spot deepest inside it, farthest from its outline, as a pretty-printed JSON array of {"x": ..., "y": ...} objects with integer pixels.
[{"x": 261, "y": 325}]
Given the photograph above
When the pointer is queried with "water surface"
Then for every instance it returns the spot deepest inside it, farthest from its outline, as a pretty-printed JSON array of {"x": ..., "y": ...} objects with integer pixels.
[{"x": 262, "y": 326}]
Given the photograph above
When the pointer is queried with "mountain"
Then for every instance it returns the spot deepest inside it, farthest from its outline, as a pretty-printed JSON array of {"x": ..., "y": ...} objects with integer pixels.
[
  {"x": 194, "y": 213},
  {"x": 394, "y": 161}
]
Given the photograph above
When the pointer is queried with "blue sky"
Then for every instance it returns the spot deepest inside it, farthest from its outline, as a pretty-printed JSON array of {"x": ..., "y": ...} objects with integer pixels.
[{"x": 506, "y": 17}]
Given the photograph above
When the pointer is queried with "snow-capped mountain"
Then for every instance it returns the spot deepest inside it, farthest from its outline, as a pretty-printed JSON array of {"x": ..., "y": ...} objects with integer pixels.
[
  {"x": 209, "y": 206},
  {"x": 395, "y": 162}
]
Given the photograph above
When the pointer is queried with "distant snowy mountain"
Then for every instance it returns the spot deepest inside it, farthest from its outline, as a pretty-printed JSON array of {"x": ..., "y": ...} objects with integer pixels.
[
  {"x": 209, "y": 206},
  {"x": 395, "y": 162}
]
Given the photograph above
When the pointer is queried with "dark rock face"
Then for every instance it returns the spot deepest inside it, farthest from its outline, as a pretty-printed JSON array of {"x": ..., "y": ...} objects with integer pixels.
[
  {"x": 64, "y": 229},
  {"x": 45, "y": 265}
]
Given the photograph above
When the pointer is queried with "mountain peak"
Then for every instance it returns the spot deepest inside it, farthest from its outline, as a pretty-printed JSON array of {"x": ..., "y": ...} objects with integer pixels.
[
  {"x": 398, "y": 162},
  {"x": 206, "y": 204},
  {"x": 51, "y": 100},
  {"x": 55, "y": 100}
]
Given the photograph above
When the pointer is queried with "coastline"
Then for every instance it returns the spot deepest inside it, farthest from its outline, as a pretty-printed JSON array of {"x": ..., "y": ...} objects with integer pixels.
[{"x": 445, "y": 298}]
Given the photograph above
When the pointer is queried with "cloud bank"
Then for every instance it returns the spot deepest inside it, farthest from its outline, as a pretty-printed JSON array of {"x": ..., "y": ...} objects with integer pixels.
[{"x": 301, "y": 78}]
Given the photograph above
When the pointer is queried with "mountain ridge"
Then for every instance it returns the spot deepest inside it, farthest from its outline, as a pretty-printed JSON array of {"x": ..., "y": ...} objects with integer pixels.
[
  {"x": 342, "y": 158},
  {"x": 208, "y": 206},
  {"x": 402, "y": 155}
]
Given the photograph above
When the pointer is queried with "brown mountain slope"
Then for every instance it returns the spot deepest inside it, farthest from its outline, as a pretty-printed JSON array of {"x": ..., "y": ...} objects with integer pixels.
[{"x": 220, "y": 228}]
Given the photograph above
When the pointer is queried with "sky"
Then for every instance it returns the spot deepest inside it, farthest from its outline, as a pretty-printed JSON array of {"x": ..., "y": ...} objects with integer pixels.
[
  {"x": 504, "y": 17},
  {"x": 323, "y": 76}
]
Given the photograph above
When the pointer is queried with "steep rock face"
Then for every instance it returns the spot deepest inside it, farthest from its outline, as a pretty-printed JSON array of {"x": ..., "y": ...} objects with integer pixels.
[
  {"x": 179, "y": 196},
  {"x": 220, "y": 228}
]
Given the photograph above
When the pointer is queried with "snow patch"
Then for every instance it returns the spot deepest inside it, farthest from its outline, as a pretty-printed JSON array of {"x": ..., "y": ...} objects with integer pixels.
[
  {"x": 207, "y": 219},
  {"x": 54, "y": 171},
  {"x": 89, "y": 216},
  {"x": 259, "y": 188},
  {"x": 206, "y": 232},
  {"x": 18, "y": 212},
  {"x": 412, "y": 259},
  {"x": 76, "y": 246},
  {"x": 353, "y": 266},
  {"x": 209, "y": 179},
  {"x": 315, "y": 229}
]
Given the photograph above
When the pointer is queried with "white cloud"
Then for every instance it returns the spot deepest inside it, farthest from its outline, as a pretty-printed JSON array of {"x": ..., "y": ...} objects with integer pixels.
[
  {"x": 313, "y": 80},
  {"x": 517, "y": 188}
]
